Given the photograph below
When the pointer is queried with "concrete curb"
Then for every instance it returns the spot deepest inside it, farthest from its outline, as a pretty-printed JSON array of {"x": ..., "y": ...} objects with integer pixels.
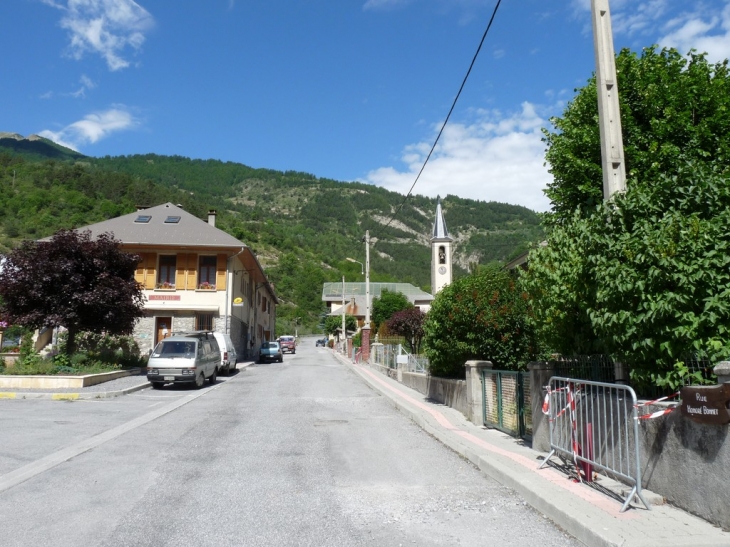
[
  {"x": 80, "y": 395},
  {"x": 588, "y": 524}
]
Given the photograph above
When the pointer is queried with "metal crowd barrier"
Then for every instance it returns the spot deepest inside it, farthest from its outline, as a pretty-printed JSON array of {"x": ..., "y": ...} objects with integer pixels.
[{"x": 595, "y": 425}]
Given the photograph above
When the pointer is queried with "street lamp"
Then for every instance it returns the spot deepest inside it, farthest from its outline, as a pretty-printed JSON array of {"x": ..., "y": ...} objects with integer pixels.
[{"x": 362, "y": 266}]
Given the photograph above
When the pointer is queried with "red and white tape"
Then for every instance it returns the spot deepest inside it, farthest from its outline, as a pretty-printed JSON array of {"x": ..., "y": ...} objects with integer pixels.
[{"x": 658, "y": 413}]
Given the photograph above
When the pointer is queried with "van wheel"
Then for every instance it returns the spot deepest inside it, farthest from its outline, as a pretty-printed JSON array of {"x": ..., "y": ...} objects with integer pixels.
[
  {"x": 199, "y": 381},
  {"x": 213, "y": 377}
]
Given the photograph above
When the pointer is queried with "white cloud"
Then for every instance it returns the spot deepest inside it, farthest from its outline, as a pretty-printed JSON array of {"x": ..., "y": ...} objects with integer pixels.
[
  {"x": 92, "y": 128},
  {"x": 105, "y": 27},
  {"x": 708, "y": 33},
  {"x": 384, "y": 4},
  {"x": 493, "y": 158}
]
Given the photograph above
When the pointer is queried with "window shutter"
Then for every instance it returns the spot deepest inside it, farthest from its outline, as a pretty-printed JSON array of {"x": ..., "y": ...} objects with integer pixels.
[
  {"x": 139, "y": 270},
  {"x": 192, "y": 261},
  {"x": 180, "y": 281},
  {"x": 220, "y": 276},
  {"x": 150, "y": 264}
]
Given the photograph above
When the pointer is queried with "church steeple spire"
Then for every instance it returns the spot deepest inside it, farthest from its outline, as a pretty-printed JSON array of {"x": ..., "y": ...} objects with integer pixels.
[
  {"x": 440, "y": 251},
  {"x": 439, "y": 224}
]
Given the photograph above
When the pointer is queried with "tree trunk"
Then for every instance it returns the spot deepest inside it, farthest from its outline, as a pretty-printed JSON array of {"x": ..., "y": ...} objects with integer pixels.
[{"x": 71, "y": 341}]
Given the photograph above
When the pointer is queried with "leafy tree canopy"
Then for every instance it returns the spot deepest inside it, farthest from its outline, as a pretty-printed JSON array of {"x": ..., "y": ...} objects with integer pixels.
[
  {"x": 409, "y": 324},
  {"x": 72, "y": 281},
  {"x": 333, "y": 323},
  {"x": 673, "y": 109},
  {"x": 646, "y": 275},
  {"x": 386, "y": 305},
  {"x": 481, "y": 316}
]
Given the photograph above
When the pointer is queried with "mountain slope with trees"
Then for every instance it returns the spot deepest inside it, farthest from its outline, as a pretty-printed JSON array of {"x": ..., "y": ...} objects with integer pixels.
[{"x": 302, "y": 227}]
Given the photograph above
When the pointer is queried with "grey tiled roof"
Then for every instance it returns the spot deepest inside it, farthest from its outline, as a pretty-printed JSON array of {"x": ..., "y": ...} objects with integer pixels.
[
  {"x": 332, "y": 291},
  {"x": 189, "y": 231}
]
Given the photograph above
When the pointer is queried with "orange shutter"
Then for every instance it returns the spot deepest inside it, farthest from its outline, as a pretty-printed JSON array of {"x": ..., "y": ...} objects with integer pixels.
[
  {"x": 150, "y": 265},
  {"x": 139, "y": 271},
  {"x": 192, "y": 260},
  {"x": 180, "y": 271},
  {"x": 220, "y": 275}
]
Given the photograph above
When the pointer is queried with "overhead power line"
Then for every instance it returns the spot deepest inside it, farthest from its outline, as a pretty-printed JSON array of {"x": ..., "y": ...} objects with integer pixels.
[{"x": 453, "y": 105}]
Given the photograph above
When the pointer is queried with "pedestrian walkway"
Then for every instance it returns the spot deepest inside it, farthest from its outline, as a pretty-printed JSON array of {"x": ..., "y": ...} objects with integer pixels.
[
  {"x": 591, "y": 516},
  {"x": 110, "y": 389}
]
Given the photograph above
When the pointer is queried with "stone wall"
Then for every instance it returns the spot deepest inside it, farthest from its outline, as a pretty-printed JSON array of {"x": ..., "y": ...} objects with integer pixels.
[{"x": 451, "y": 393}]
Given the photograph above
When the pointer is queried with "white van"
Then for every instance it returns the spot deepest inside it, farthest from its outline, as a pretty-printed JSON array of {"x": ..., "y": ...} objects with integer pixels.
[
  {"x": 228, "y": 353},
  {"x": 189, "y": 358}
]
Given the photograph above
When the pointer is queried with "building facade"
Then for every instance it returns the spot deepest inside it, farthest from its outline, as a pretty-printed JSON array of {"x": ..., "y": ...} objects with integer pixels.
[{"x": 194, "y": 277}]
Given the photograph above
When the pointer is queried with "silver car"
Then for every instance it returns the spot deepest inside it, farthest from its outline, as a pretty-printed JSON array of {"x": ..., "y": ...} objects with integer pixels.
[{"x": 271, "y": 351}]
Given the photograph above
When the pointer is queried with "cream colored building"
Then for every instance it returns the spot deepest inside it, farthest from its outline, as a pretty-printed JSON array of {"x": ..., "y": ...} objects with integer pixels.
[{"x": 195, "y": 277}]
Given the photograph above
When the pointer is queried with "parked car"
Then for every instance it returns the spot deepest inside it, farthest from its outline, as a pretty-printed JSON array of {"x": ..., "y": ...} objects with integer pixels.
[
  {"x": 288, "y": 344},
  {"x": 322, "y": 342},
  {"x": 271, "y": 351},
  {"x": 228, "y": 352},
  {"x": 189, "y": 358}
]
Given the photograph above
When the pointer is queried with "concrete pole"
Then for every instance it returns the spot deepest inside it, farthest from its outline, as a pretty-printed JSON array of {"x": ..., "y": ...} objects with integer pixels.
[
  {"x": 366, "y": 327},
  {"x": 344, "y": 332},
  {"x": 609, "y": 115}
]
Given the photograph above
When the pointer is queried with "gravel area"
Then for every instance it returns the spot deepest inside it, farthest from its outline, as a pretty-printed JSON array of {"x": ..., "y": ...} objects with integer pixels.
[{"x": 112, "y": 385}]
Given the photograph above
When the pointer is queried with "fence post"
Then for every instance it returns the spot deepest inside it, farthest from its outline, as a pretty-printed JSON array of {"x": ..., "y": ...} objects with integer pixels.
[
  {"x": 540, "y": 374},
  {"x": 722, "y": 371},
  {"x": 474, "y": 401}
]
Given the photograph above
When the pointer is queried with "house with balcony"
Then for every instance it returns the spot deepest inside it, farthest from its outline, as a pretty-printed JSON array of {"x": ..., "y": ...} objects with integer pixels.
[{"x": 195, "y": 277}]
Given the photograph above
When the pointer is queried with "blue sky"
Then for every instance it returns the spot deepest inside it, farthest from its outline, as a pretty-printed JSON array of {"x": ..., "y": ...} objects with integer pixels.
[{"x": 343, "y": 89}]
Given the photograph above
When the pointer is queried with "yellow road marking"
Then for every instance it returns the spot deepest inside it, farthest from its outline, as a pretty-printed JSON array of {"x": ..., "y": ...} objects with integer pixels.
[{"x": 65, "y": 396}]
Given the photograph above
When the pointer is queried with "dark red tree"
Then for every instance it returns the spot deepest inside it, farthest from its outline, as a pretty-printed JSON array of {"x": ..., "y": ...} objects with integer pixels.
[
  {"x": 409, "y": 324},
  {"x": 74, "y": 281}
]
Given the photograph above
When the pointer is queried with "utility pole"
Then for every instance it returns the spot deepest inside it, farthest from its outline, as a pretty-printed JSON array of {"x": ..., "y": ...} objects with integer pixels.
[
  {"x": 366, "y": 327},
  {"x": 344, "y": 332},
  {"x": 609, "y": 115}
]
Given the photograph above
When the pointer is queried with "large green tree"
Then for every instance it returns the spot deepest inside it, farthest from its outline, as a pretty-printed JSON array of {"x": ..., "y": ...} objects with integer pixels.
[
  {"x": 674, "y": 109},
  {"x": 333, "y": 323},
  {"x": 481, "y": 316},
  {"x": 72, "y": 281},
  {"x": 645, "y": 277},
  {"x": 386, "y": 305}
]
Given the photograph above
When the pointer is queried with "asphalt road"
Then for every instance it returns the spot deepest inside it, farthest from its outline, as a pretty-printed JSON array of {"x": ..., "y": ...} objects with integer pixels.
[{"x": 299, "y": 453}]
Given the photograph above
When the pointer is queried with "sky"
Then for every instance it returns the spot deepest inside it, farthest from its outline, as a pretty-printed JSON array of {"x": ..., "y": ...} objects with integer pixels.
[{"x": 350, "y": 90}]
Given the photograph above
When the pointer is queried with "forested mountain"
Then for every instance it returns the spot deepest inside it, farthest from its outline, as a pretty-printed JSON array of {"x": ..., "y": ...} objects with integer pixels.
[{"x": 302, "y": 227}]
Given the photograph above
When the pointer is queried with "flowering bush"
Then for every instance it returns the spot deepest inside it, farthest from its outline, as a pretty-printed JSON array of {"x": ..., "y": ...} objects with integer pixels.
[
  {"x": 166, "y": 285},
  {"x": 205, "y": 286}
]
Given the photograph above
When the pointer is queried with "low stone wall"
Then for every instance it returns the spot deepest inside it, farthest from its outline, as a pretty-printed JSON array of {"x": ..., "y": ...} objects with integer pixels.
[
  {"x": 451, "y": 393},
  {"x": 9, "y": 358},
  {"x": 687, "y": 463},
  {"x": 55, "y": 382},
  {"x": 389, "y": 372}
]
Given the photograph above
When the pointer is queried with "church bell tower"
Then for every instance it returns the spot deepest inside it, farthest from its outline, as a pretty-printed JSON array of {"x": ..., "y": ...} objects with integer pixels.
[{"x": 441, "y": 244}]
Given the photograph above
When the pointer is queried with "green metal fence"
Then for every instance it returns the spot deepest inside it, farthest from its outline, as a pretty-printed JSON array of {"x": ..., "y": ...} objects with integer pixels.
[{"x": 506, "y": 402}]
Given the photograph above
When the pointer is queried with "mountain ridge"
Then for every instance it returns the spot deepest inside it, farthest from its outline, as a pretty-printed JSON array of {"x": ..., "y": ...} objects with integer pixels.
[{"x": 303, "y": 227}]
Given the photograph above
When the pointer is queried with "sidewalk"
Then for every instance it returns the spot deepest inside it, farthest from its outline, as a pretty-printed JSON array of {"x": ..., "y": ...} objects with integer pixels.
[
  {"x": 589, "y": 515},
  {"x": 112, "y": 388}
]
